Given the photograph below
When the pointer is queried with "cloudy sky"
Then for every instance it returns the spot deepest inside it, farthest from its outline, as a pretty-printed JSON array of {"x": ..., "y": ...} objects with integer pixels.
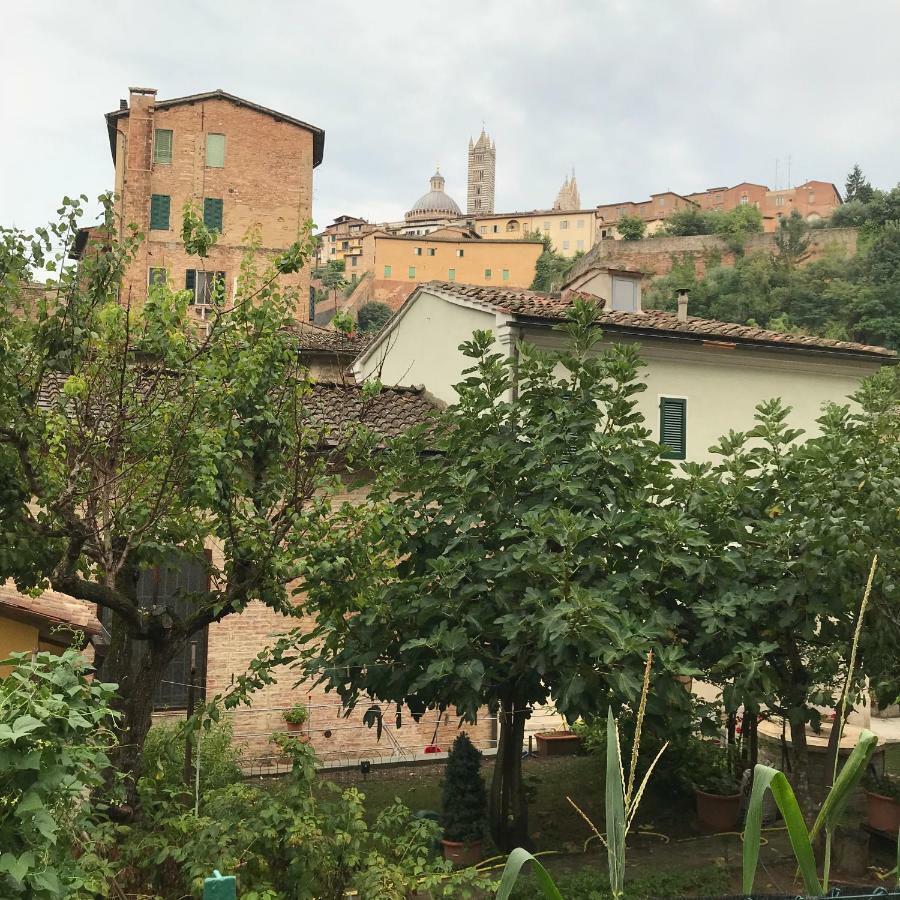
[{"x": 638, "y": 95}]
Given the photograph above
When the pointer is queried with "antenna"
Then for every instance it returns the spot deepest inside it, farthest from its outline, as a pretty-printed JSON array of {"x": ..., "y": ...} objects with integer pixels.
[
  {"x": 776, "y": 173},
  {"x": 789, "y": 171}
]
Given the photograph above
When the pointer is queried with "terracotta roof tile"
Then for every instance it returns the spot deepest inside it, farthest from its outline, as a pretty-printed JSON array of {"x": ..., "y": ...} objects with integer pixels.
[
  {"x": 52, "y": 607},
  {"x": 534, "y": 304},
  {"x": 315, "y": 338}
]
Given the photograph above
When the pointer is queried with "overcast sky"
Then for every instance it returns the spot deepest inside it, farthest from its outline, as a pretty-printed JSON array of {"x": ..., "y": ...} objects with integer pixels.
[{"x": 639, "y": 95}]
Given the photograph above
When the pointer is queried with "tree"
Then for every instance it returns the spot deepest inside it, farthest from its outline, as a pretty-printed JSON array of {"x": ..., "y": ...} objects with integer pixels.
[
  {"x": 551, "y": 267},
  {"x": 690, "y": 221},
  {"x": 631, "y": 228},
  {"x": 333, "y": 277},
  {"x": 857, "y": 187},
  {"x": 785, "y": 517},
  {"x": 526, "y": 549},
  {"x": 372, "y": 316},
  {"x": 130, "y": 439},
  {"x": 792, "y": 240}
]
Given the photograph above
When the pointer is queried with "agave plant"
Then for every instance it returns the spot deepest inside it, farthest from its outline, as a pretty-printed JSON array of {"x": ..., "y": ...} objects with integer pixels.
[{"x": 622, "y": 801}]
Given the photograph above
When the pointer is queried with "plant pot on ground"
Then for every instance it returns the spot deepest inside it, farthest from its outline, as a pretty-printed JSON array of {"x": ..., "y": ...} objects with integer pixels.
[
  {"x": 883, "y": 803},
  {"x": 717, "y": 787},
  {"x": 465, "y": 804}
]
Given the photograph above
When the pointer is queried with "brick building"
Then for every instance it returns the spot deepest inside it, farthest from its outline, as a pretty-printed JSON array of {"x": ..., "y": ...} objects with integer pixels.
[
  {"x": 247, "y": 169},
  {"x": 342, "y": 239}
]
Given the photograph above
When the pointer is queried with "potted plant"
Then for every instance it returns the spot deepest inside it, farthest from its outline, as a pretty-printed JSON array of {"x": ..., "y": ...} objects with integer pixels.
[
  {"x": 561, "y": 742},
  {"x": 295, "y": 717},
  {"x": 717, "y": 787},
  {"x": 883, "y": 803},
  {"x": 465, "y": 804}
]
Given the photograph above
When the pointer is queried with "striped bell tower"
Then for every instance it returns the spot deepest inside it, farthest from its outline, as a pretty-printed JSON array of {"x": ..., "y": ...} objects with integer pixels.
[{"x": 482, "y": 164}]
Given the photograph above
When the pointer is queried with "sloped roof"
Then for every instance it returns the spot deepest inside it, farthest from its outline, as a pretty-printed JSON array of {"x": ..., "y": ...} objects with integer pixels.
[
  {"x": 316, "y": 339},
  {"x": 338, "y": 406},
  {"x": 539, "y": 306},
  {"x": 318, "y": 133},
  {"x": 51, "y": 607}
]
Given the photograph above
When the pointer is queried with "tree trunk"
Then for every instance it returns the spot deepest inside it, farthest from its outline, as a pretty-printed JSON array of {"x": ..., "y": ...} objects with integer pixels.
[
  {"x": 800, "y": 766},
  {"x": 508, "y": 804},
  {"x": 137, "y": 666}
]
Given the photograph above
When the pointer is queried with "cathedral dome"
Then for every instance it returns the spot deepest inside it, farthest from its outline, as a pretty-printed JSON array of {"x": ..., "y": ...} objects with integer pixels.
[{"x": 435, "y": 203}]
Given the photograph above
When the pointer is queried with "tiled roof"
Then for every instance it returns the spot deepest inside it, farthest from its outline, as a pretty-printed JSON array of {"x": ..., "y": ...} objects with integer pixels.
[
  {"x": 389, "y": 413},
  {"x": 536, "y": 305},
  {"x": 317, "y": 339},
  {"x": 52, "y": 607}
]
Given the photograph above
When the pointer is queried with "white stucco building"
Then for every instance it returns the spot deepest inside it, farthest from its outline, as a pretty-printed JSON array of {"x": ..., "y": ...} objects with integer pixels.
[{"x": 703, "y": 377}]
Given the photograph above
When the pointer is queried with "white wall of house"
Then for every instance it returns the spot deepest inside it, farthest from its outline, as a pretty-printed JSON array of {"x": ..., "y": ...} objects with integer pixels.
[{"x": 722, "y": 384}]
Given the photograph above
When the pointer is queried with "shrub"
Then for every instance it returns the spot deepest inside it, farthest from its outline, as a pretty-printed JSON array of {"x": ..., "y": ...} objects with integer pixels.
[
  {"x": 372, "y": 316},
  {"x": 296, "y": 715},
  {"x": 54, "y": 737},
  {"x": 465, "y": 798}
]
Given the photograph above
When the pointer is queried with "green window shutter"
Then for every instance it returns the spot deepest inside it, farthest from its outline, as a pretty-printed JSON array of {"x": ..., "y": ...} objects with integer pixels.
[
  {"x": 212, "y": 213},
  {"x": 673, "y": 426},
  {"x": 190, "y": 282},
  {"x": 215, "y": 150},
  {"x": 487, "y": 273},
  {"x": 451, "y": 275},
  {"x": 387, "y": 271},
  {"x": 412, "y": 272},
  {"x": 162, "y": 146},
  {"x": 159, "y": 211},
  {"x": 506, "y": 274}
]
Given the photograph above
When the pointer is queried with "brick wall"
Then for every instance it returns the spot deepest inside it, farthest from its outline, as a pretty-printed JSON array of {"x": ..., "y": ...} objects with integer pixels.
[
  {"x": 656, "y": 256},
  {"x": 265, "y": 185}
]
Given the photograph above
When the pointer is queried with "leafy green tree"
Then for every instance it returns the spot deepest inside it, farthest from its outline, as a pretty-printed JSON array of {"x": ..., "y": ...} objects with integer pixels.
[
  {"x": 857, "y": 187},
  {"x": 552, "y": 267},
  {"x": 333, "y": 277},
  {"x": 372, "y": 316},
  {"x": 526, "y": 549},
  {"x": 129, "y": 439},
  {"x": 690, "y": 221},
  {"x": 464, "y": 796},
  {"x": 785, "y": 517},
  {"x": 792, "y": 240},
  {"x": 631, "y": 228}
]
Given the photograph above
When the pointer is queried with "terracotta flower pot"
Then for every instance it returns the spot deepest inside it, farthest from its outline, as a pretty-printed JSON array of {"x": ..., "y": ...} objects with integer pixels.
[
  {"x": 717, "y": 812},
  {"x": 558, "y": 743},
  {"x": 294, "y": 726},
  {"x": 882, "y": 813},
  {"x": 462, "y": 855}
]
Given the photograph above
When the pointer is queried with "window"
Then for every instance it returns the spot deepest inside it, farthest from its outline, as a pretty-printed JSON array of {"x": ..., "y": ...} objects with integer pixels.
[
  {"x": 487, "y": 273},
  {"x": 483, "y": 229},
  {"x": 744, "y": 199},
  {"x": 162, "y": 146},
  {"x": 460, "y": 252},
  {"x": 207, "y": 287},
  {"x": 812, "y": 197},
  {"x": 673, "y": 426},
  {"x": 477, "y": 204},
  {"x": 417, "y": 251},
  {"x": 387, "y": 271},
  {"x": 212, "y": 213},
  {"x": 662, "y": 201},
  {"x": 333, "y": 249},
  {"x": 579, "y": 223},
  {"x": 345, "y": 245},
  {"x": 354, "y": 260},
  {"x": 215, "y": 151},
  {"x": 495, "y": 228},
  {"x": 564, "y": 223},
  {"x": 506, "y": 274},
  {"x": 779, "y": 201},
  {"x": 565, "y": 245},
  {"x": 333, "y": 239},
  {"x": 451, "y": 274},
  {"x": 432, "y": 251},
  {"x": 159, "y": 211},
  {"x": 478, "y": 192},
  {"x": 624, "y": 291},
  {"x": 579, "y": 245},
  {"x": 546, "y": 226},
  {"x": 157, "y": 275},
  {"x": 412, "y": 272}
]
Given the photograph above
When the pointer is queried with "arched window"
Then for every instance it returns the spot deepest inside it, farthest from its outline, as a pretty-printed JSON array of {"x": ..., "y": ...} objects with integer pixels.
[{"x": 512, "y": 225}]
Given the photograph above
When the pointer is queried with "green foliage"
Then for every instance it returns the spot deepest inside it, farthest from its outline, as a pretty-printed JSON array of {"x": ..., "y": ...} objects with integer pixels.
[
  {"x": 792, "y": 239},
  {"x": 552, "y": 267},
  {"x": 857, "y": 188},
  {"x": 886, "y": 785},
  {"x": 542, "y": 564},
  {"x": 767, "y": 778},
  {"x": 163, "y": 760},
  {"x": 298, "y": 839},
  {"x": 333, "y": 275},
  {"x": 714, "y": 768},
  {"x": 54, "y": 736},
  {"x": 733, "y": 225},
  {"x": 517, "y": 859},
  {"x": 296, "y": 715},
  {"x": 465, "y": 801},
  {"x": 372, "y": 316},
  {"x": 631, "y": 228}
]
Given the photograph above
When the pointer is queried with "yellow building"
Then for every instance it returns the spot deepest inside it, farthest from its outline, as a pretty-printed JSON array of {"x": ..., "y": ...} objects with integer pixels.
[
  {"x": 47, "y": 622},
  {"x": 570, "y": 230}
]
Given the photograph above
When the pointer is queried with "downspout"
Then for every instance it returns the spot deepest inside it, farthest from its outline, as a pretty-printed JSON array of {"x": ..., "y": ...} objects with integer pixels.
[{"x": 509, "y": 333}]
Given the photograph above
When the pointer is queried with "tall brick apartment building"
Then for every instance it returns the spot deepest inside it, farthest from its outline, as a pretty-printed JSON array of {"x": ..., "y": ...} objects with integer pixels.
[{"x": 243, "y": 166}]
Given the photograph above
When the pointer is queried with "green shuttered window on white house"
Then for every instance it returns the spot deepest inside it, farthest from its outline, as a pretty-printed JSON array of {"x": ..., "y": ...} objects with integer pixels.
[
  {"x": 159, "y": 211},
  {"x": 673, "y": 426},
  {"x": 162, "y": 146},
  {"x": 215, "y": 150},
  {"x": 212, "y": 213}
]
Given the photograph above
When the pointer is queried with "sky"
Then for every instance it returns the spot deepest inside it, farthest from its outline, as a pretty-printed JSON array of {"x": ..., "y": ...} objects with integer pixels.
[{"x": 639, "y": 96}]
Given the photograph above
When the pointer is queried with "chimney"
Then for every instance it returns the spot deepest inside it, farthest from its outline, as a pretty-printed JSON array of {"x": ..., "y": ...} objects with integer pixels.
[
  {"x": 123, "y": 103},
  {"x": 682, "y": 304}
]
